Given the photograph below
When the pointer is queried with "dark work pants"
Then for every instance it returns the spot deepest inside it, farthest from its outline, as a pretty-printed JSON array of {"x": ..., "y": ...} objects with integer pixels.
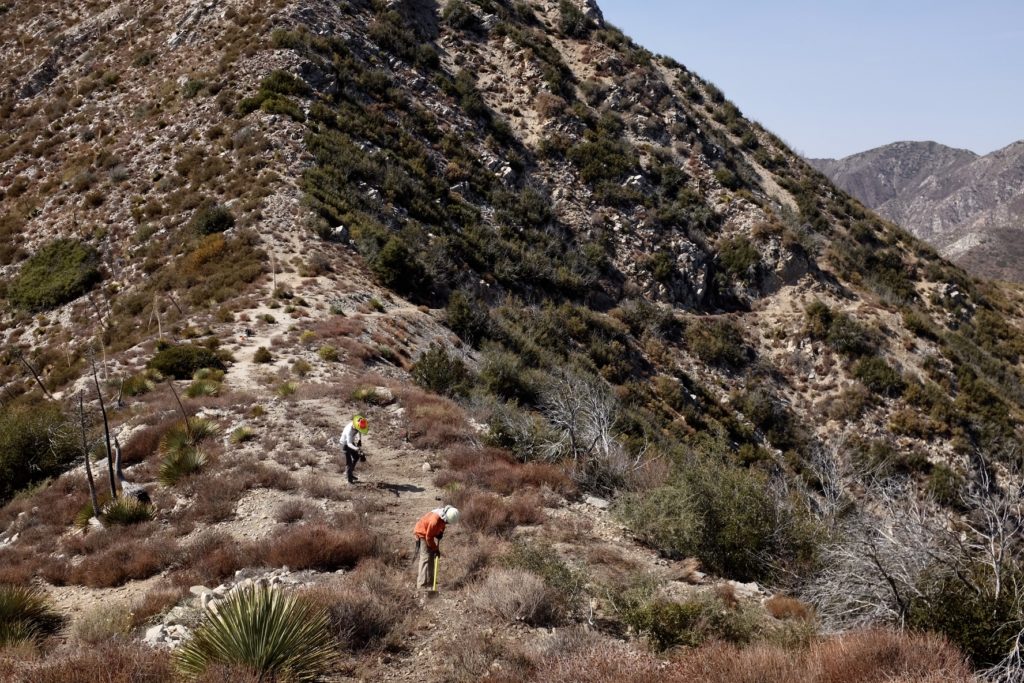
[{"x": 351, "y": 458}]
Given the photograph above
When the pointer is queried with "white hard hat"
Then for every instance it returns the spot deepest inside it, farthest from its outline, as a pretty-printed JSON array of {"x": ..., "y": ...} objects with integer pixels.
[{"x": 450, "y": 515}]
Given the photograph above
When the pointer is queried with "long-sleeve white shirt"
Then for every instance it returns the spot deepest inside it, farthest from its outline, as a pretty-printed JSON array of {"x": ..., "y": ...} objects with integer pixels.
[{"x": 351, "y": 437}]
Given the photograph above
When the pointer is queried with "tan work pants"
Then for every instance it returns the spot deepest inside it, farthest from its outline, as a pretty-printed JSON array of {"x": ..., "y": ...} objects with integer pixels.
[{"x": 425, "y": 559}]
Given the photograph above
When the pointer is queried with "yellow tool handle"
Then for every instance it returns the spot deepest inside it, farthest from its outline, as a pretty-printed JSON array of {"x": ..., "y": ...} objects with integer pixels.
[{"x": 436, "y": 558}]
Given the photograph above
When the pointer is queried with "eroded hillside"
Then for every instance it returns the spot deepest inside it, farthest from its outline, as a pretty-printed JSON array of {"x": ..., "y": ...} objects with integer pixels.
[{"x": 547, "y": 265}]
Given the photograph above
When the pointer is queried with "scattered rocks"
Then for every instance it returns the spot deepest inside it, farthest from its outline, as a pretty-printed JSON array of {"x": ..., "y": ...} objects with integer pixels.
[{"x": 599, "y": 503}]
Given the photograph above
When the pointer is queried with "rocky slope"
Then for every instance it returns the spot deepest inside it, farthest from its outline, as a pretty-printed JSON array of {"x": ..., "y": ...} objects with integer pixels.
[
  {"x": 970, "y": 208},
  {"x": 546, "y": 263}
]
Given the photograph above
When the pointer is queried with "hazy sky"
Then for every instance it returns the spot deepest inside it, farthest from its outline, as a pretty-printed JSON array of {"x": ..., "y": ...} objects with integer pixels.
[{"x": 835, "y": 77}]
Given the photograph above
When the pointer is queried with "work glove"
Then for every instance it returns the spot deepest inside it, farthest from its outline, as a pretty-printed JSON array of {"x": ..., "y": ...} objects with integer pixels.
[{"x": 362, "y": 455}]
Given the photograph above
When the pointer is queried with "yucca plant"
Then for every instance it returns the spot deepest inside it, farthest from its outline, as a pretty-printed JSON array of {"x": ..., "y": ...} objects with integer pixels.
[
  {"x": 180, "y": 463},
  {"x": 286, "y": 389},
  {"x": 25, "y": 615},
  {"x": 85, "y": 512},
  {"x": 241, "y": 435},
  {"x": 262, "y": 629},
  {"x": 211, "y": 374},
  {"x": 183, "y": 437},
  {"x": 127, "y": 510},
  {"x": 202, "y": 387}
]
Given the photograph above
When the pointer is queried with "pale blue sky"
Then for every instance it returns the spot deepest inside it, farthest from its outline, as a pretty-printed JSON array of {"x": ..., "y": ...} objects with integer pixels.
[{"x": 835, "y": 77}]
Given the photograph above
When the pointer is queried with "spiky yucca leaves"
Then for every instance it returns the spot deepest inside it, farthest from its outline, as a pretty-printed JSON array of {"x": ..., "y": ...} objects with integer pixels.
[
  {"x": 182, "y": 437},
  {"x": 242, "y": 434},
  {"x": 126, "y": 510},
  {"x": 25, "y": 615},
  {"x": 262, "y": 629},
  {"x": 85, "y": 513},
  {"x": 180, "y": 463},
  {"x": 182, "y": 455},
  {"x": 202, "y": 387}
]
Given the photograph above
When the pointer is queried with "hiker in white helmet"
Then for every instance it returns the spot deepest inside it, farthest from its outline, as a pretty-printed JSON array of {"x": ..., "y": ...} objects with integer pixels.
[
  {"x": 352, "y": 443},
  {"x": 429, "y": 531}
]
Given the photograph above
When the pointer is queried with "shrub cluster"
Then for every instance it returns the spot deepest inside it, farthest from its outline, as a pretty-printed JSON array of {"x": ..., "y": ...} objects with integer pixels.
[
  {"x": 35, "y": 443},
  {"x": 59, "y": 272},
  {"x": 443, "y": 373},
  {"x": 182, "y": 361}
]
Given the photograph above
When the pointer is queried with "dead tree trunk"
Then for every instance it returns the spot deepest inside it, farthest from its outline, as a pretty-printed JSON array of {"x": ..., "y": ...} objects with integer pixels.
[
  {"x": 88, "y": 465},
  {"x": 106, "y": 428},
  {"x": 35, "y": 375},
  {"x": 184, "y": 414}
]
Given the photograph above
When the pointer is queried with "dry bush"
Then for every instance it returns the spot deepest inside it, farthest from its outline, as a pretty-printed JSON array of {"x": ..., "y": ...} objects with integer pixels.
[
  {"x": 481, "y": 655},
  {"x": 104, "y": 621},
  {"x": 145, "y": 442},
  {"x": 220, "y": 673},
  {"x": 605, "y": 662},
  {"x": 123, "y": 561},
  {"x": 158, "y": 600},
  {"x": 214, "y": 496},
  {"x": 111, "y": 662},
  {"x": 492, "y": 514},
  {"x": 498, "y": 471},
  {"x": 292, "y": 511},
  {"x": 785, "y": 607},
  {"x": 875, "y": 656},
  {"x": 317, "y": 486},
  {"x": 319, "y": 546},
  {"x": 466, "y": 560},
  {"x": 370, "y": 609},
  {"x": 339, "y": 326},
  {"x": 434, "y": 422},
  {"x": 518, "y": 595},
  {"x": 17, "y": 565},
  {"x": 213, "y": 557}
]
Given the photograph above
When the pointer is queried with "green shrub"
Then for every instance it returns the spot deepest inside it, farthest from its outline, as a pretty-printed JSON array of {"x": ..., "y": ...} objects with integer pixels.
[
  {"x": 467, "y": 317},
  {"x": 212, "y": 218},
  {"x": 571, "y": 20},
  {"x": 879, "y": 376},
  {"x": 182, "y": 437},
  {"x": 441, "y": 372},
  {"x": 182, "y": 361},
  {"x": 838, "y": 330},
  {"x": 503, "y": 374},
  {"x": 138, "y": 384},
  {"x": 35, "y": 444},
  {"x": 259, "y": 628},
  {"x": 739, "y": 259},
  {"x": 262, "y": 355},
  {"x": 543, "y": 560},
  {"x": 691, "y": 623},
  {"x": 718, "y": 342},
  {"x": 396, "y": 267},
  {"x": 975, "y": 620},
  {"x": 59, "y": 272},
  {"x": 25, "y": 615},
  {"x": 458, "y": 15},
  {"x": 946, "y": 486},
  {"x": 726, "y": 517},
  {"x": 328, "y": 353}
]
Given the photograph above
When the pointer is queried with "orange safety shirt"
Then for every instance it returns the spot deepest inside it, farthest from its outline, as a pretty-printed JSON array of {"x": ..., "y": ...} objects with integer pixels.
[{"x": 429, "y": 528}]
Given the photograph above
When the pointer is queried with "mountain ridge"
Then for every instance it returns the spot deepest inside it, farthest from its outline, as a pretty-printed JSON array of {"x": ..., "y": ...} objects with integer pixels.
[{"x": 970, "y": 207}]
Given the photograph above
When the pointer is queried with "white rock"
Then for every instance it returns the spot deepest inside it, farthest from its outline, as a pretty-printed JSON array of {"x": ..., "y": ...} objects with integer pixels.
[
  {"x": 599, "y": 503},
  {"x": 198, "y": 590},
  {"x": 427, "y": 467}
]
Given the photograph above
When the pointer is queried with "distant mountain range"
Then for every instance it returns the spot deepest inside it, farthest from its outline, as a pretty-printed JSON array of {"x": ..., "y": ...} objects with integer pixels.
[{"x": 970, "y": 207}]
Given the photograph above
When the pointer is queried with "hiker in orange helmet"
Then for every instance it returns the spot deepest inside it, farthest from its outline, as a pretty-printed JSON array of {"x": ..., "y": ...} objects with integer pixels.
[
  {"x": 352, "y": 443},
  {"x": 429, "y": 530}
]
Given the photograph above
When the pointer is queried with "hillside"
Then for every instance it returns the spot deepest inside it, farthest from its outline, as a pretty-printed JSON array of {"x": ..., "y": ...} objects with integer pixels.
[
  {"x": 969, "y": 207},
  {"x": 700, "y": 409}
]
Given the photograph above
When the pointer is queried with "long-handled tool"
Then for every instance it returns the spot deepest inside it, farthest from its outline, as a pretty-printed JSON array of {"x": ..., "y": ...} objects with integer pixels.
[{"x": 437, "y": 561}]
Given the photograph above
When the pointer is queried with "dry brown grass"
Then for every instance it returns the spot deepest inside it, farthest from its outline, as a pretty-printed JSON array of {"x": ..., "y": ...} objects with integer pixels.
[
  {"x": 785, "y": 607},
  {"x": 145, "y": 442},
  {"x": 339, "y": 326},
  {"x": 370, "y": 609},
  {"x": 292, "y": 511},
  {"x": 111, "y": 662},
  {"x": 213, "y": 557},
  {"x": 157, "y": 601},
  {"x": 515, "y": 595},
  {"x": 499, "y": 471},
  {"x": 319, "y": 546},
  {"x": 317, "y": 486},
  {"x": 433, "y": 421},
  {"x": 489, "y": 513},
  {"x": 874, "y": 656},
  {"x": 120, "y": 562}
]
